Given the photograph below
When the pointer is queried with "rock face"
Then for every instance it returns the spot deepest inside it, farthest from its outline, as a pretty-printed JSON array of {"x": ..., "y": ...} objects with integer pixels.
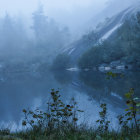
[
  {"x": 115, "y": 65},
  {"x": 107, "y": 68},
  {"x": 104, "y": 68},
  {"x": 101, "y": 68},
  {"x": 73, "y": 69},
  {"x": 121, "y": 67},
  {"x": 118, "y": 65},
  {"x": 101, "y": 33}
]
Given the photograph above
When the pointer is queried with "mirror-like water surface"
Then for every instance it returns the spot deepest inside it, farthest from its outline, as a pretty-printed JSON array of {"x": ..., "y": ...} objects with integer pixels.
[{"x": 31, "y": 90}]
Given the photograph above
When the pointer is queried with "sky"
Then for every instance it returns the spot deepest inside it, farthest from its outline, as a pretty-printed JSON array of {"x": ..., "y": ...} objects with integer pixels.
[
  {"x": 72, "y": 13},
  {"x": 27, "y": 6}
]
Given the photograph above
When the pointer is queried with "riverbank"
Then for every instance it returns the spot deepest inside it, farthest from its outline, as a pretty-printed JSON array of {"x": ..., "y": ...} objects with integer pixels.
[
  {"x": 78, "y": 134},
  {"x": 60, "y": 122}
]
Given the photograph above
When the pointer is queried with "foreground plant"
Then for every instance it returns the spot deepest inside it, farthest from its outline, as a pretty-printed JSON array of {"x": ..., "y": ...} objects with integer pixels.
[
  {"x": 103, "y": 122},
  {"x": 59, "y": 116},
  {"x": 59, "y": 121},
  {"x": 132, "y": 115}
]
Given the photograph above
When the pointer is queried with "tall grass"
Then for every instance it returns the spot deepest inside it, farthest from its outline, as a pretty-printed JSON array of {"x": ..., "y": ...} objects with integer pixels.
[{"x": 59, "y": 122}]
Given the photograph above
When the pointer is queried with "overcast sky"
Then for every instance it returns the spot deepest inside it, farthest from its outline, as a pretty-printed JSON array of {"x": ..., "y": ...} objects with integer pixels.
[
  {"x": 27, "y": 6},
  {"x": 73, "y": 13},
  {"x": 63, "y": 11}
]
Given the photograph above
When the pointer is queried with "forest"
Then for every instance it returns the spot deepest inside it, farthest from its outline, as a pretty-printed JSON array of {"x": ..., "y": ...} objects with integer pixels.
[{"x": 123, "y": 45}]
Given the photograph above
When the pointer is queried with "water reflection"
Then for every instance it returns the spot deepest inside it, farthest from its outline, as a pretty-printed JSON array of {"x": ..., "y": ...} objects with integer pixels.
[
  {"x": 23, "y": 90},
  {"x": 64, "y": 77},
  {"x": 118, "y": 85}
]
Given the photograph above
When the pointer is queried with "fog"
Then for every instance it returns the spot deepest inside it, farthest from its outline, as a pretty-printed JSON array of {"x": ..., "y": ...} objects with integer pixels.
[
  {"x": 50, "y": 25},
  {"x": 32, "y": 35},
  {"x": 75, "y": 14},
  {"x": 72, "y": 13}
]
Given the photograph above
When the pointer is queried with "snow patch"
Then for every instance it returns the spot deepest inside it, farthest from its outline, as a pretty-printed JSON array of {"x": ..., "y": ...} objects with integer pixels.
[
  {"x": 72, "y": 69},
  {"x": 70, "y": 52},
  {"x": 110, "y": 32}
]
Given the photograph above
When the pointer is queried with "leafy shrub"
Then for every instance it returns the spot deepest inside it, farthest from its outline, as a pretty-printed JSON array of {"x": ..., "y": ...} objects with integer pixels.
[
  {"x": 59, "y": 116},
  {"x": 132, "y": 114},
  {"x": 103, "y": 122}
]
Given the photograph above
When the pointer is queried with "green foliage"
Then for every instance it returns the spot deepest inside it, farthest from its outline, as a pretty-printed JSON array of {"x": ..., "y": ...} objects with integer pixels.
[
  {"x": 113, "y": 75},
  {"x": 134, "y": 108},
  {"x": 59, "y": 121},
  {"x": 91, "y": 58},
  {"x": 4, "y": 132},
  {"x": 103, "y": 122},
  {"x": 122, "y": 45},
  {"x": 59, "y": 116},
  {"x": 132, "y": 115}
]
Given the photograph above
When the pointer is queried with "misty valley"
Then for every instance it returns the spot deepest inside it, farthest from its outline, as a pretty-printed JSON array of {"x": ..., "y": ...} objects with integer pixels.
[{"x": 56, "y": 84}]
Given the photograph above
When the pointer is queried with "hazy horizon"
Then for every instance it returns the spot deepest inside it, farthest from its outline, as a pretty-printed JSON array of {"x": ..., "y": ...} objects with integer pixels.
[{"x": 75, "y": 14}]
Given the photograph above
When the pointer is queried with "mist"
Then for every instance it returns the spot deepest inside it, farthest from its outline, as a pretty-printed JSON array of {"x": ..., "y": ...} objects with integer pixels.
[
  {"x": 67, "y": 44},
  {"x": 48, "y": 26},
  {"x": 73, "y": 14},
  {"x": 76, "y": 15}
]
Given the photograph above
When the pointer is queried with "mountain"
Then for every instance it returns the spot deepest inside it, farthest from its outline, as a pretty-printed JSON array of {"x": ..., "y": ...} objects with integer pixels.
[{"x": 104, "y": 31}]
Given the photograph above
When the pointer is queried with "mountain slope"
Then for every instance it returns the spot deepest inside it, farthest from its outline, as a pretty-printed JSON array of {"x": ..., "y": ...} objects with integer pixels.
[
  {"x": 104, "y": 31},
  {"x": 120, "y": 44}
]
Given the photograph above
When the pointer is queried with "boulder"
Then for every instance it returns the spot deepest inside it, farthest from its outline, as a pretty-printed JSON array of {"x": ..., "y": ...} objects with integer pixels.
[
  {"x": 121, "y": 67},
  {"x": 101, "y": 68},
  {"x": 107, "y": 68},
  {"x": 115, "y": 63}
]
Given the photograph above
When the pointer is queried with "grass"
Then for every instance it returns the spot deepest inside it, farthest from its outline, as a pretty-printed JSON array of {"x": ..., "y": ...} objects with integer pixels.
[
  {"x": 72, "y": 135},
  {"x": 59, "y": 122}
]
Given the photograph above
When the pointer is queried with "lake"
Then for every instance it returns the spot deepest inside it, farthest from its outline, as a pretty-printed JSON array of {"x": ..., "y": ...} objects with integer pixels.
[{"x": 90, "y": 89}]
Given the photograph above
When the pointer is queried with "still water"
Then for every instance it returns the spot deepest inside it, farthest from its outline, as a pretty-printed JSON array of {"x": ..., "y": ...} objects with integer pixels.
[{"x": 32, "y": 89}]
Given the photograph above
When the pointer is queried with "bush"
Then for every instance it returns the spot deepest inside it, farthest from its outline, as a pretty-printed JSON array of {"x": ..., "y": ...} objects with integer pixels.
[{"x": 59, "y": 116}]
